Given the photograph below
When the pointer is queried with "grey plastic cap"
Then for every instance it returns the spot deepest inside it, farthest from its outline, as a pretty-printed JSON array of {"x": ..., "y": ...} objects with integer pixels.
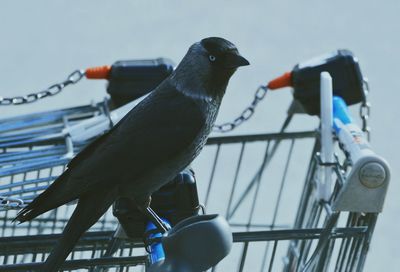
[
  {"x": 366, "y": 186},
  {"x": 195, "y": 244}
]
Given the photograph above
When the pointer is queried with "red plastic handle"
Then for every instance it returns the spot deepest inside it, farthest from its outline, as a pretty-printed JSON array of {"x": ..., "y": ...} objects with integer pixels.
[
  {"x": 100, "y": 72},
  {"x": 284, "y": 80}
]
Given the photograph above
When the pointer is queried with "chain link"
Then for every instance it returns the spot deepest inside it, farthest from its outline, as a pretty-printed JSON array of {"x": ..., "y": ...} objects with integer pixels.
[
  {"x": 54, "y": 89},
  {"x": 247, "y": 113},
  {"x": 365, "y": 110},
  {"x": 9, "y": 203}
]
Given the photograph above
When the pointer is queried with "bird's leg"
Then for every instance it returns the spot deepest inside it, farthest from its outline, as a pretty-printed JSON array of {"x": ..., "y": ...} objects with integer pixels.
[
  {"x": 161, "y": 226},
  {"x": 153, "y": 217}
]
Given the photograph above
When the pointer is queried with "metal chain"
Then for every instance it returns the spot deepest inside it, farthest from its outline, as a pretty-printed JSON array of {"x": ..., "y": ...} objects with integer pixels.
[
  {"x": 8, "y": 203},
  {"x": 246, "y": 114},
  {"x": 365, "y": 110},
  {"x": 54, "y": 89},
  {"x": 77, "y": 75}
]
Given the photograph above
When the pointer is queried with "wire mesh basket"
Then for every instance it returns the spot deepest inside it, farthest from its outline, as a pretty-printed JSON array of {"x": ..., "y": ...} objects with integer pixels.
[{"x": 278, "y": 221}]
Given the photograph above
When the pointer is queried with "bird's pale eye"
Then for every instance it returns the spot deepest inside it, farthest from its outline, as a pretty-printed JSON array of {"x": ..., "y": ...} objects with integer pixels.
[{"x": 211, "y": 58}]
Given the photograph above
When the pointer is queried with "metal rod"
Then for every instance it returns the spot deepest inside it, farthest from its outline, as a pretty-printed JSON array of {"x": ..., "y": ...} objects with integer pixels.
[{"x": 212, "y": 174}]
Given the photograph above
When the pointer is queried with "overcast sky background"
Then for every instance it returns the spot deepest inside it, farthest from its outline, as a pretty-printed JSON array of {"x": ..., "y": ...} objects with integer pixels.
[{"x": 43, "y": 41}]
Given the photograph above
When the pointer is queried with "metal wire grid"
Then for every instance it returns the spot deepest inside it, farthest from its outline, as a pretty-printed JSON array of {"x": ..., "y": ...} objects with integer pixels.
[
  {"x": 348, "y": 254},
  {"x": 26, "y": 253},
  {"x": 344, "y": 238},
  {"x": 18, "y": 131},
  {"x": 30, "y": 161},
  {"x": 254, "y": 201}
]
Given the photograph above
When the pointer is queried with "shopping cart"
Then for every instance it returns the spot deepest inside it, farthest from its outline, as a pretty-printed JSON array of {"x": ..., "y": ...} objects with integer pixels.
[{"x": 268, "y": 182}]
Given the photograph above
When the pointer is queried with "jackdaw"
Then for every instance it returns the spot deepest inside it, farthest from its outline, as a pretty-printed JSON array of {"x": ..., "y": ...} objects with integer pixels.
[{"x": 154, "y": 142}]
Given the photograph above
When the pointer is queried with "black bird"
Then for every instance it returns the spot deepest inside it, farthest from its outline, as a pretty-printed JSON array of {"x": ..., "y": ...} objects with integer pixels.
[{"x": 154, "y": 142}]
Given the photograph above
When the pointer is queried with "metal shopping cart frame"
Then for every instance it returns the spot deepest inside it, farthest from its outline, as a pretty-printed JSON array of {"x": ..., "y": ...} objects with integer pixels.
[
  {"x": 320, "y": 239},
  {"x": 353, "y": 235}
]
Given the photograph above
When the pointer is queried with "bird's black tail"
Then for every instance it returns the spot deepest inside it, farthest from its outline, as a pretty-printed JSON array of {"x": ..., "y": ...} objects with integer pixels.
[
  {"x": 51, "y": 198},
  {"x": 89, "y": 209}
]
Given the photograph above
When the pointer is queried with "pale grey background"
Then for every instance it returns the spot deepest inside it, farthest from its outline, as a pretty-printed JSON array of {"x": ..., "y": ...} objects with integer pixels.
[{"x": 43, "y": 40}]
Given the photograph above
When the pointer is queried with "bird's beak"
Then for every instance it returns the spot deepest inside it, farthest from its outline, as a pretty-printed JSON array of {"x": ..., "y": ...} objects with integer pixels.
[{"x": 234, "y": 60}]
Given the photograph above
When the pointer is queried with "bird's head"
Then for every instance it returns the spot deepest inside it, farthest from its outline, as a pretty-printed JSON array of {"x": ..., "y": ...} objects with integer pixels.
[{"x": 207, "y": 67}]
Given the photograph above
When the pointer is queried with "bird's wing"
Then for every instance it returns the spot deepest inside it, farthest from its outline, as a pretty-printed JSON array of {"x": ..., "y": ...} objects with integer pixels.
[
  {"x": 159, "y": 128},
  {"x": 156, "y": 130}
]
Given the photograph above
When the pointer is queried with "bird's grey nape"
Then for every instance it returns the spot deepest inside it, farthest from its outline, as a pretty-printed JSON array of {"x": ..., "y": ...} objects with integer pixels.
[{"x": 193, "y": 76}]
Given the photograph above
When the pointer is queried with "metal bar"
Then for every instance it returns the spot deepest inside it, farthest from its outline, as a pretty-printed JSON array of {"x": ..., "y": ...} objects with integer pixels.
[
  {"x": 21, "y": 120},
  {"x": 372, "y": 218},
  {"x": 258, "y": 183},
  {"x": 295, "y": 250},
  {"x": 277, "y": 204},
  {"x": 261, "y": 226},
  {"x": 26, "y": 182},
  {"x": 255, "y": 178},
  {"x": 32, "y": 167},
  {"x": 326, "y": 255},
  {"x": 235, "y": 179},
  {"x": 30, "y": 133},
  {"x": 21, "y": 143},
  {"x": 308, "y": 187},
  {"x": 271, "y": 263},
  {"x": 212, "y": 175},
  {"x": 325, "y": 181},
  {"x": 356, "y": 243},
  {"x": 296, "y": 234},
  {"x": 283, "y": 181},
  {"x": 324, "y": 239},
  {"x": 261, "y": 137},
  {"x": 344, "y": 247},
  {"x": 46, "y": 241},
  {"x": 243, "y": 258},
  {"x": 311, "y": 222},
  {"x": 23, "y": 191},
  {"x": 355, "y": 253},
  {"x": 32, "y": 154},
  {"x": 82, "y": 263},
  {"x": 264, "y": 259},
  {"x": 17, "y": 244}
]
